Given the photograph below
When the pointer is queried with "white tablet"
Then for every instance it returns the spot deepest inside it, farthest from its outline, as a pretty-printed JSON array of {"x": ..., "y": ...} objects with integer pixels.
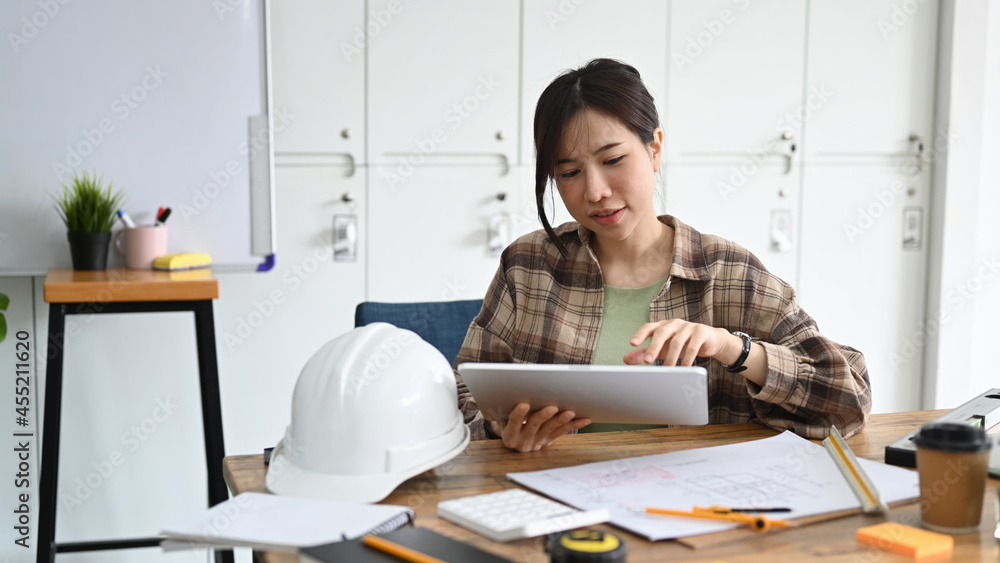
[{"x": 616, "y": 394}]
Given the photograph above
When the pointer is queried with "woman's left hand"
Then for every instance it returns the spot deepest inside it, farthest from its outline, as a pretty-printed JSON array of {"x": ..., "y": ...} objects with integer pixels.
[{"x": 676, "y": 342}]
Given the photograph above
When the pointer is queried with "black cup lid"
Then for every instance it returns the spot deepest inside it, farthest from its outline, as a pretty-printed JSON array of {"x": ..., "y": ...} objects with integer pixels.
[{"x": 952, "y": 437}]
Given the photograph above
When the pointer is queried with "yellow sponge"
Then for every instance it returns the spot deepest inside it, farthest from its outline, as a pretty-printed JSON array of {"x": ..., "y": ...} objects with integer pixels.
[
  {"x": 922, "y": 545},
  {"x": 182, "y": 261}
]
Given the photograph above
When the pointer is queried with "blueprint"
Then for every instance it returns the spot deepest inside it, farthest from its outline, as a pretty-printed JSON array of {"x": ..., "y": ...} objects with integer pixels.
[{"x": 782, "y": 471}]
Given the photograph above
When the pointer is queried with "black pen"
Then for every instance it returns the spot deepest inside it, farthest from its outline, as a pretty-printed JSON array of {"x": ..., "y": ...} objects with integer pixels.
[
  {"x": 162, "y": 218},
  {"x": 724, "y": 509}
]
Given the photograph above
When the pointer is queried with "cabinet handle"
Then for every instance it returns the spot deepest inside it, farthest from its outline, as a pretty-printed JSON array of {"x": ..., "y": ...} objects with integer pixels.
[
  {"x": 917, "y": 145},
  {"x": 428, "y": 159},
  {"x": 499, "y": 135},
  {"x": 347, "y": 197},
  {"x": 354, "y": 166},
  {"x": 345, "y": 133}
]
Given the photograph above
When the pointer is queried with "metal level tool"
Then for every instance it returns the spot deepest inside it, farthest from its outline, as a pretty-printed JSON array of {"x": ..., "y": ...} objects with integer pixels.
[{"x": 983, "y": 411}]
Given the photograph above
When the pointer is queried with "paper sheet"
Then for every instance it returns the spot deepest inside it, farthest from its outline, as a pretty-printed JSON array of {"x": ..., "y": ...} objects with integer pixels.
[
  {"x": 268, "y": 521},
  {"x": 782, "y": 471}
]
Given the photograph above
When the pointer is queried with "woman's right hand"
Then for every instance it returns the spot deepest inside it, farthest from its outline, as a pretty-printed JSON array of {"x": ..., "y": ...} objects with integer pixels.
[{"x": 527, "y": 431}]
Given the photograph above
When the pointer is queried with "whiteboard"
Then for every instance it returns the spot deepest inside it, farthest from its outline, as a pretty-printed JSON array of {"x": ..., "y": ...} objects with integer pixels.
[{"x": 167, "y": 100}]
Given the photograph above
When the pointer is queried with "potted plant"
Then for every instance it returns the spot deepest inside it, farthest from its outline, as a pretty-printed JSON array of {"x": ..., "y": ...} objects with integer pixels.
[{"x": 88, "y": 208}]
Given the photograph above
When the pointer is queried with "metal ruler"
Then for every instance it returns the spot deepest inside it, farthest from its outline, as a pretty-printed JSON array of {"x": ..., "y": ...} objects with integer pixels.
[{"x": 983, "y": 411}]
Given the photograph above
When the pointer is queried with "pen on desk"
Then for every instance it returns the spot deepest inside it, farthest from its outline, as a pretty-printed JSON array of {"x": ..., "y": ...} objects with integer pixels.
[
  {"x": 724, "y": 509},
  {"x": 758, "y": 522},
  {"x": 400, "y": 551},
  {"x": 126, "y": 219},
  {"x": 162, "y": 217}
]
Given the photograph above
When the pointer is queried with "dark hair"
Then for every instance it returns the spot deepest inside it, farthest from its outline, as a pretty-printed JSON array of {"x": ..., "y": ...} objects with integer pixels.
[{"x": 606, "y": 86}]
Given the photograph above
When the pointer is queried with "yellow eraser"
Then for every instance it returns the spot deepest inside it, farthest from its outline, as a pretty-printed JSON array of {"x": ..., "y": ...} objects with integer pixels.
[
  {"x": 915, "y": 542},
  {"x": 182, "y": 261}
]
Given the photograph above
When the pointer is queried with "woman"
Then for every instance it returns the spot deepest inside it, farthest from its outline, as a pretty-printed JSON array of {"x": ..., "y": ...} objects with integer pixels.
[{"x": 621, "y": 285}]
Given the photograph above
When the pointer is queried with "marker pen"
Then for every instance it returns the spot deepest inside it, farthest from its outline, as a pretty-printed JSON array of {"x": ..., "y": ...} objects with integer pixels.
[
  {"x": 126, "y": 219},
  {"x": 162, "y": 217}
]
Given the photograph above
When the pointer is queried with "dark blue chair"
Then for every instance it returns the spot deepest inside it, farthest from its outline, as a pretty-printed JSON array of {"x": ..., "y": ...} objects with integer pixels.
[{"x": 443, "y": 324}]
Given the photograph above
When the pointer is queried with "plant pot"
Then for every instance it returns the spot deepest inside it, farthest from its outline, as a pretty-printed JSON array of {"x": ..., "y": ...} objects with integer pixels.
[{"x": 89, "y": 251}]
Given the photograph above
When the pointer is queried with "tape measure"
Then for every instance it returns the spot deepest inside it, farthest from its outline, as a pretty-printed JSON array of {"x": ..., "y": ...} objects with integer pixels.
[{"x": 580, "y": 546}]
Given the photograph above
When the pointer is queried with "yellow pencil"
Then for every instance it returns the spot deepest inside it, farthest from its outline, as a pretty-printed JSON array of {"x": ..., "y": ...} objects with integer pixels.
[
  {"x": 756, "y": 521},
  {"x": 402, "y": 552}
]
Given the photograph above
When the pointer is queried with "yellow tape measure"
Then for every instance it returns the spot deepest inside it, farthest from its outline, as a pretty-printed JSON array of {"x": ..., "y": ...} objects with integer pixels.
[{"x": 586, "y": 545}]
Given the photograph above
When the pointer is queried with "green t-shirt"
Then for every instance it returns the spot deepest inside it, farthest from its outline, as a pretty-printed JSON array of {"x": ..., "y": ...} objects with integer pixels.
[{"x": 625, "y": 310}]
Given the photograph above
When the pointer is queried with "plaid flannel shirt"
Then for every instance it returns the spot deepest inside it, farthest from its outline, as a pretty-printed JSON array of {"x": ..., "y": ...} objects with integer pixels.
[{"x": 543, "y": 308}]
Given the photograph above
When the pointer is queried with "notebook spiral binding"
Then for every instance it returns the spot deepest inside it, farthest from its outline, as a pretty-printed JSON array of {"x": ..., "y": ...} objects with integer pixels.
[{"x": 392, "y": 524}]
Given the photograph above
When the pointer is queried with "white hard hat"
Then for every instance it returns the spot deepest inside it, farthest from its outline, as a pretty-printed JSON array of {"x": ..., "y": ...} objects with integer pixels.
[{"x": 371, "y": 408}]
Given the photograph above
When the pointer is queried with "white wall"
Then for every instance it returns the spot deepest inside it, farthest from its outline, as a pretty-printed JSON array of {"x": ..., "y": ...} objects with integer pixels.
[
  {"x": 964, "y": 284},
  {"x": 984, "y": 333}
]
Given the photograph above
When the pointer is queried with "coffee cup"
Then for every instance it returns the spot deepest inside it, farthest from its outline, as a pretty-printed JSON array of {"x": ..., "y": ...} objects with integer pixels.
[
  {"x": 141, "y": 245},
  {"x": 953, "y": 465}
]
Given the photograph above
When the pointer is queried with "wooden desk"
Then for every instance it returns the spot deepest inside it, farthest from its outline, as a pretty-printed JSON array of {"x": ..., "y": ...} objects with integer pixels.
[
  {"x": 481, "y": 468},
  {"x": 119, "y": 290}
]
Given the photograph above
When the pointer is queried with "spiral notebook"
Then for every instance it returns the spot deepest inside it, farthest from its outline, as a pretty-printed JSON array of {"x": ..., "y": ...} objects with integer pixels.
[
  {"x": 281, "y": 523},
  {"x": 423, "y": 540}
]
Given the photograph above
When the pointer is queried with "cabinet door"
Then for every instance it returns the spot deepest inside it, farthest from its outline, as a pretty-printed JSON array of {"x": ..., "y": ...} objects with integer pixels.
[
  {"x": 318, "y": 78},
  {"x": 562, "y": 35},
  {"x": 736, "y": 75},
  {"x": 315, "y": 283},
  {"x": 269, "y": 324},
  {"x": 428, "y": 236},
  {"x": 863, "y": 275},
  {"x": 443, "y": 80},
  {"x": 870, "y": 74},
  {"x": 759, "y": 210}
]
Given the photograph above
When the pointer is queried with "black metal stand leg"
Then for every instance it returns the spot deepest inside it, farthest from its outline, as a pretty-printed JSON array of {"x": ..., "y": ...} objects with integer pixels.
[
  {"x": 49, "y": 476},
  {"x": 211, "y": 409}
]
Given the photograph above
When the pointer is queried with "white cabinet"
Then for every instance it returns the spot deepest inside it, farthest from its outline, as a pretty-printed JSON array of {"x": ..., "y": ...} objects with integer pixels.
[
  {"x": 269, "y": 324},
  {"x": 736, "y": 76},
  {"x": 428, "y": 235},
  {"x": 863, "y": 270},
  {"x": 443, "y": 81},
  {"x": 873, "y": 63},
  {"x": 757, "y": 208},
  {"x": 318, "y": 77},
  {"x": 558, "y": 36}
]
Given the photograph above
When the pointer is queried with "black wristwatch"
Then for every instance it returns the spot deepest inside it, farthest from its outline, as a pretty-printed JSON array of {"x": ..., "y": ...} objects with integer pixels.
[{"x": 738, "y": 366}]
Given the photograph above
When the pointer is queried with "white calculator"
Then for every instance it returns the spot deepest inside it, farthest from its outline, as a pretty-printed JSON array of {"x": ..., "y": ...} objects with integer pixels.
[{"x": 516, "y": 513}]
